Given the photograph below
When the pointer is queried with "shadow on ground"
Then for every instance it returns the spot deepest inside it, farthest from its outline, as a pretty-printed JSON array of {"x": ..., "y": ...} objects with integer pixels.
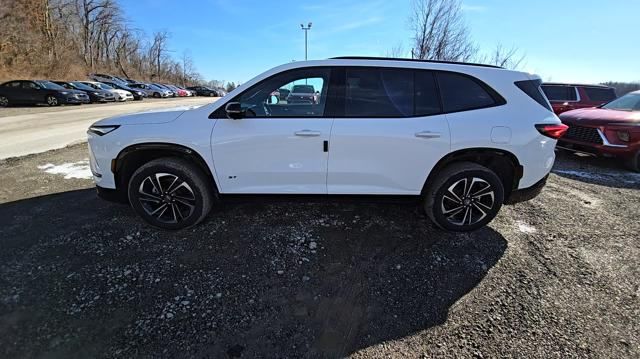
[{"x": 84, "y": 278}]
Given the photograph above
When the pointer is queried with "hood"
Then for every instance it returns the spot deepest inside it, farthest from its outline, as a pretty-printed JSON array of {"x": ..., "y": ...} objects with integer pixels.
[
  {"x": 120, "y": 92},
  {"x": 144, "y": 118},
  {"x": 599, "y": 116}
]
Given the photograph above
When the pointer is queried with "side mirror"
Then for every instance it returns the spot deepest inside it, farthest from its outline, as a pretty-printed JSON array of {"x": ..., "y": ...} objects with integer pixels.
[{"x": 234, "y": 110}]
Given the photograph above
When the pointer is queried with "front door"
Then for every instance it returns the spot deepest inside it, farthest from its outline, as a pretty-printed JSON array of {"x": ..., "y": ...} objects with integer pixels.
[
  {"x": 390, "y": 134},
  {"x": 280, "y": 144}
]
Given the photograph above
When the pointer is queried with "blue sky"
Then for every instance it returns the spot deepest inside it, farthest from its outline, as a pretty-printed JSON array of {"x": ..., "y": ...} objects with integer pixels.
[{"x": 563, "y": 40}]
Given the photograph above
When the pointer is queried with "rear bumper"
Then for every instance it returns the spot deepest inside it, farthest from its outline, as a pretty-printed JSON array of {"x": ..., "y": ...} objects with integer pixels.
[{"x": 526, "y": 194}]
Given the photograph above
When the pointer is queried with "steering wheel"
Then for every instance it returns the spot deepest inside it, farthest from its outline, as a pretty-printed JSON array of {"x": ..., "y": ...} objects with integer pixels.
[{"x": 267, "y": 111}]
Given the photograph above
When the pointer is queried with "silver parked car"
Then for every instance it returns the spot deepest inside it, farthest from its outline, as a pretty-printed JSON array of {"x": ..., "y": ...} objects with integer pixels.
[{"x": 152, "y": 90}]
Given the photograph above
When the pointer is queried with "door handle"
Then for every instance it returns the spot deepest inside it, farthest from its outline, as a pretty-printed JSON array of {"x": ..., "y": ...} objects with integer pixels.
[
  {"x": 428, "y": 134},
  {"x": 307, "y": 133}
]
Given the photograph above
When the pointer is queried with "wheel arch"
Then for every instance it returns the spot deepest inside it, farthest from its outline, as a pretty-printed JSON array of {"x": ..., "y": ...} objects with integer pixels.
[
  {"x": 504, "y": 163},
  {"x": 132, "y": 157}
]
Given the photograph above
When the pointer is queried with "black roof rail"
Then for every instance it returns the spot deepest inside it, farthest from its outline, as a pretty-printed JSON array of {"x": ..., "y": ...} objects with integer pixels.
[{"x": 416, "y": 60}]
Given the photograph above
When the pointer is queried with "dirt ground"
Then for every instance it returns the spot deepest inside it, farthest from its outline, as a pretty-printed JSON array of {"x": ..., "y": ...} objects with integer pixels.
[{"x": 557, "y": 277}]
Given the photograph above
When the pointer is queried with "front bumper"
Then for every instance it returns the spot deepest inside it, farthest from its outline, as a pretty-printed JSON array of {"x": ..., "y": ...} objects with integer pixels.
[
  {"x": 76, "y": 99},
  {"x": 112, "y": 195}
]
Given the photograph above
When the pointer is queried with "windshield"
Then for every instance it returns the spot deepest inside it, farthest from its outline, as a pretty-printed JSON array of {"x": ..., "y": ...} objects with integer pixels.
[
  {"x": 50, "y": 85},
  {"x": 81, "y": 86},
  {"x": 302, "y": 89},
  {"x": 103, "y": 86},
  {"x": 628, "y": 102}
]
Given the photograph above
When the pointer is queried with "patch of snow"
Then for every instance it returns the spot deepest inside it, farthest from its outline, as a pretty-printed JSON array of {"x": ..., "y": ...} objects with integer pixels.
[
  {"x": 525, "y": 228},
  {"x": 603, "y": 176},
  {"x": 70, "y": 170}
]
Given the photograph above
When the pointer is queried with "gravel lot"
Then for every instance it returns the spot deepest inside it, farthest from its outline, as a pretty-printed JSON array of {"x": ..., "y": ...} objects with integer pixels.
[{"x": 556, "y": 277}]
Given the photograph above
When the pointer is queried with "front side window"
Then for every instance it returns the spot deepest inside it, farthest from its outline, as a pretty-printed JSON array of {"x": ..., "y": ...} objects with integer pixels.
[
  {"x": 560, "y": 93},
  {"x": 32, "y": 86},
  {"x": 462, "y": 93},
  {"x": 371, "y": 92},
  {"x": 304, "y": 95}
]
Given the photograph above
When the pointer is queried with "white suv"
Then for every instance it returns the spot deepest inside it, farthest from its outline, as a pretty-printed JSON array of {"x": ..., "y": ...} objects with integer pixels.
[{"x": 466, "y": 138}]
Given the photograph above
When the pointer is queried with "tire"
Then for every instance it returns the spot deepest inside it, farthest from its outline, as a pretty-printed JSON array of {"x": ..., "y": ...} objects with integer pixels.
[
  {"x": 450, "y": 204},
  {"x": 211, "y": 94},
  {"x": 186, "y": 189},
  {"x": 156, "y": 94},
  {"x": 51, "y": 100},
  {"x": 4, "y": 101},
  {"x": 633, "y": 163}
]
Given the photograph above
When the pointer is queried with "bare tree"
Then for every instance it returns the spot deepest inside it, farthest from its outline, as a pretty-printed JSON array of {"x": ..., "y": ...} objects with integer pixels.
[{"x": 440, "y": 32}]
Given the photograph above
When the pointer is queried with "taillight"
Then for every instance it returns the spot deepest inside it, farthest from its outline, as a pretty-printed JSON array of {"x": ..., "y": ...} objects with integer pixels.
[{"x": 553, "y": 131}]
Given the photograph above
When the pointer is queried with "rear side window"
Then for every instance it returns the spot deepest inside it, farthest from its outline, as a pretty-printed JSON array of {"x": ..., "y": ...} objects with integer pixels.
[
  {"x": 378, "y": 92},
  {"x": 427, "y": 99},
  {"x": 560, "y": 93},
  {"x": 461, "y": 93},
  {"x": 532, "y": 88},
  {"x": 600, "y": 94}
]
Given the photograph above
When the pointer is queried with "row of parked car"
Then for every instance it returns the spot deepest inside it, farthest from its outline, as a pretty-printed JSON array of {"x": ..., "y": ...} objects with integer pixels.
[
  {"x": 100, "y": 88},
  {"x": 599, "y": 122}
]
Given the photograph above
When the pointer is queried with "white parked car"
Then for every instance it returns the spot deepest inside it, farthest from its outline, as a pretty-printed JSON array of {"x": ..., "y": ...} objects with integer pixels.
[
  {"x": 152, "y": 90},
  {"x": 120, "y": 95},
  {"x": 464, "y": 138}
]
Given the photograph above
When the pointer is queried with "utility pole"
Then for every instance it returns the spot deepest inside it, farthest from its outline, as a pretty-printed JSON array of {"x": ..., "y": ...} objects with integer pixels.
[{"x": 306, "y": 30}]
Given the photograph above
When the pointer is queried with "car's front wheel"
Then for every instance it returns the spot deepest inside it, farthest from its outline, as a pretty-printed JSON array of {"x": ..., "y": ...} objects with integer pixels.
[
  {"x": 52, "y": 100},
  {"x": 633, "y": 162},
  {"x": 464, "y": 197},
  {"x": 171, "y": 193}
]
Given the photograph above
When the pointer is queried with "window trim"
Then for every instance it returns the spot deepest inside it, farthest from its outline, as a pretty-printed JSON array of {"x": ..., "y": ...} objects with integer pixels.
[
  {"x": 219, "y": 113},
  {"x": 336, "y": 93}
]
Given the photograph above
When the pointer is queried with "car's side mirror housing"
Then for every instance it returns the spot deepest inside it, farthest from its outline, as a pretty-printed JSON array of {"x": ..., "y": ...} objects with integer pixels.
[{"x": 234, "y": 110}]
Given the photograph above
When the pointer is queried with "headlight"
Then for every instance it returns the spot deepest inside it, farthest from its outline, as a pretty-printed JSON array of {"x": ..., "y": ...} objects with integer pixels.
[
  {"x": 65, "y": 92},
  {"x": 98, "y": 93},
  {"x": 623, "y": 136},
  {"x": 102, "y": 130}
]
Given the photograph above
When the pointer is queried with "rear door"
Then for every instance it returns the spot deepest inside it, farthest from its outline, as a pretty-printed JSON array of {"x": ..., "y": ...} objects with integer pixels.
[
  {"x": 14, "y": 92},
  {"x": 388, "y": 132},
  {"x": 563, "y": 98}
]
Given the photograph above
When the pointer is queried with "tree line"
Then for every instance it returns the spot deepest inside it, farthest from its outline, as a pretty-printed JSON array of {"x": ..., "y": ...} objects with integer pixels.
[{"x": 67, "y": 39}]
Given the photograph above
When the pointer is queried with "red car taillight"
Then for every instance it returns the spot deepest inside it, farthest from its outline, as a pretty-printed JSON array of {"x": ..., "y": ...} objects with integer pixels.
[{"x": 553, "y": 131}]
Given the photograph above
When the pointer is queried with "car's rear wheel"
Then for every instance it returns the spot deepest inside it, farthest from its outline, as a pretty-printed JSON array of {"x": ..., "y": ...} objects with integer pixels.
[
  {"x": 464, "y": 197},
  {"x": 4, "y": 101},
  {"x": 171, "y": 193},
  {"x": 51, "y": 100}
]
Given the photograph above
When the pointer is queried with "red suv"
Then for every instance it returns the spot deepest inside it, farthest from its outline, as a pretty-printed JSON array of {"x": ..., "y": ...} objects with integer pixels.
[
  {"x": 610, "y": 130},
  {"x": 567, "y": 97}
]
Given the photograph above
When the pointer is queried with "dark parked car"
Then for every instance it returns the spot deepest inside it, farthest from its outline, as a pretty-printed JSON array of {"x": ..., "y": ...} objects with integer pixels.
[
  {"x": 610, "y": 130},
  {"x": 302, "y": 94},
  {"x": 204, "y": 91},
  {"x": 567, "y": 97},
  {"x": 95, "y": 95},
  {"x": 137, "y": 94},
  {"x": 32, "y": 92}
]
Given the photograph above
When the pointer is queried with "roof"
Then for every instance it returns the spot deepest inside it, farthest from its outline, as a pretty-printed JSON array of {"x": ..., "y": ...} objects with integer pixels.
[
  {"x": 414, "y": 60},
  {"x": 578, "y": 85}
]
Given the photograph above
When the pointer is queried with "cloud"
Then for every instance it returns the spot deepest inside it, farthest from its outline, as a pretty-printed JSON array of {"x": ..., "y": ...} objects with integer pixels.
[
  {"x": 358, "y": 24},
  {"x": 474, "y": 8}
]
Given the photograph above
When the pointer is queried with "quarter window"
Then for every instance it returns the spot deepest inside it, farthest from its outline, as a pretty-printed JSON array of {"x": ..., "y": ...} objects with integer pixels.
[
  {"x": 600, "y": 94},
  {"x": 298, "y": 93},
  {"x": 461, "y": 93},
  {"x": 378, "y": 93}
]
